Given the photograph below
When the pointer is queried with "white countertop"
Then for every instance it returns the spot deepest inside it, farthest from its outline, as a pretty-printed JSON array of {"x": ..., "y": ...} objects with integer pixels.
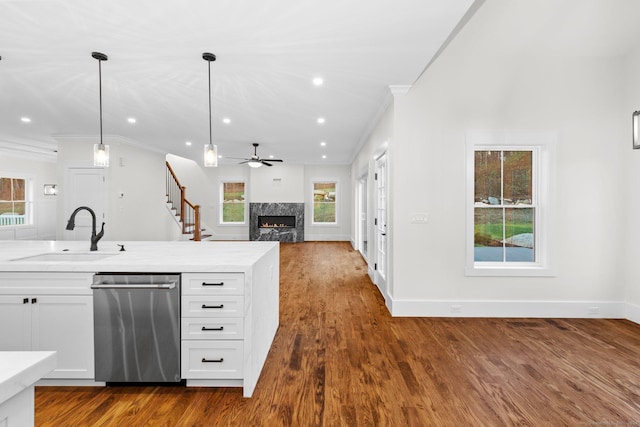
[
  {"x": 151, "y": 256},
  {"x": 19, "y": 370}
]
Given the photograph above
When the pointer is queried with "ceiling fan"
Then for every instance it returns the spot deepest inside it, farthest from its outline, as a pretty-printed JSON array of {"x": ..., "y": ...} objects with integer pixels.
[{"x": 255, "y": 161}]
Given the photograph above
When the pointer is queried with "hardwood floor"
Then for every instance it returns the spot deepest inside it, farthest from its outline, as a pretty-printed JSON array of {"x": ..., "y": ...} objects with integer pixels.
[{"x": 339, "y": 359}]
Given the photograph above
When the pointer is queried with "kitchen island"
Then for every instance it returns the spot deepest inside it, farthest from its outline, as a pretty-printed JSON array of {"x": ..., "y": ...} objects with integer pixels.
[
  {"x": 46, "y": 301},
  {"x": 19, "y": 370}
]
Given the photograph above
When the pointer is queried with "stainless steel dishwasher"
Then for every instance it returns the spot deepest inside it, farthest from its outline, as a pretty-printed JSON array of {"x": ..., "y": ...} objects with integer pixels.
[{"x": 137, "y": 327}]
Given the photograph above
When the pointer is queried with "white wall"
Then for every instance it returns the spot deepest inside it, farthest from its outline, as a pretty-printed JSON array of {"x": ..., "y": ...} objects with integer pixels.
[
  {"x": 631, "y": 195},
  {"x": 44, "y": 207},
  {"x": 509, "y": 84},
  {"x": 138, "y": 173},
  {"x": 280, "y": 183}
]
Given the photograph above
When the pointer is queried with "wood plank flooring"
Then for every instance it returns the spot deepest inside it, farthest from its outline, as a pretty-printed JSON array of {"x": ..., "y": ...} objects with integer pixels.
[{"x": 339, "y": 359}]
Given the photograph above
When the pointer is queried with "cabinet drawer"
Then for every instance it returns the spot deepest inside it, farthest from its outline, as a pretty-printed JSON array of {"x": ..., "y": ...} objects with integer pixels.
[
  {"x": 212, "y": 306},
  {"x": 203, "y": 328},
  {"x": 213, "y": 284},
  {"x": 212, "y": 359}
]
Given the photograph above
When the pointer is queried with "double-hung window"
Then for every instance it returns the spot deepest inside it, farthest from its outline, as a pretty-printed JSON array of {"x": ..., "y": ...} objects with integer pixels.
[
  {"x": 15, "y": 205},
  {"x": 324, "y": 202},
  {"x": 510, "y": 204},
  {"x": 233, "y": 202}
]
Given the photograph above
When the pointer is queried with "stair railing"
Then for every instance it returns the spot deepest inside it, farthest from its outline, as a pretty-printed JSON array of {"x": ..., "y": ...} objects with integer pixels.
[{"x": 188, "y": 212}]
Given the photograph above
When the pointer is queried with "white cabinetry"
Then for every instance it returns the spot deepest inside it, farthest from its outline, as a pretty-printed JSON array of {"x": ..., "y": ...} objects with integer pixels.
[
  {"x": 213, "y": 327},
  {"x": 49, "y": 311},
  {"x": 229, "y": 320}
]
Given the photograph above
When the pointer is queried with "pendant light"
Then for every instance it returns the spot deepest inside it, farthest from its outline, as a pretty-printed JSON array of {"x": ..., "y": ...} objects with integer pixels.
[
  {"x": 100, "y": 151},
  {"x": 210, "y": 150}
]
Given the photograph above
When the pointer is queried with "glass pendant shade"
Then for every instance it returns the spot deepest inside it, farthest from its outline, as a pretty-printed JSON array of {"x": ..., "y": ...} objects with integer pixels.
[
  {"x": 210, "y": 156},
  {"x": 100, "y": 155},
  {"x": 254, "y": 164}
]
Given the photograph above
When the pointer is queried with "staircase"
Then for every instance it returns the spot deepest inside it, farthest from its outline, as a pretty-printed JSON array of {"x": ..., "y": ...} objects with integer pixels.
[{"x": 187, "y": 214}]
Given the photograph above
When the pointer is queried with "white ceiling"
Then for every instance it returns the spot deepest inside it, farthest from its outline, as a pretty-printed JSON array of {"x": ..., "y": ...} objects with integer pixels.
[{"x": 268, "y": 53}]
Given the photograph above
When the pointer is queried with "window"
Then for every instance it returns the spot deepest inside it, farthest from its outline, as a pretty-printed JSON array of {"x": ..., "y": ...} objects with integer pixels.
[
  {"x": 233, "y": 202},
  {"x": 14, "y": 204},
  {"x": 510, "y": 207},
  {"x": 324, "y": 202}
]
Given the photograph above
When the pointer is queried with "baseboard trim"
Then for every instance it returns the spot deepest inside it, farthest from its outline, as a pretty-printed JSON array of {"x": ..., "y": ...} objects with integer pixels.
[
  {"x": 326, "y": 238},
  {"x": 540, "y": 309},
  {"x": 633, "y": 313}
]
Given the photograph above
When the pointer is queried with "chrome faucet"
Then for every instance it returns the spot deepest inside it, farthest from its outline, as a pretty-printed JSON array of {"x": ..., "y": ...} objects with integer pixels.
[{"x": 94, "y": 237}]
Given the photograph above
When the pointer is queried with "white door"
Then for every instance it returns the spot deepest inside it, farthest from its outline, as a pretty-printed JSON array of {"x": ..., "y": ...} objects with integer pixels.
[
  {"x": 362, "y": 230},
  {"x": 85, "y": 187},
  {"x": 380, "y": 225}
]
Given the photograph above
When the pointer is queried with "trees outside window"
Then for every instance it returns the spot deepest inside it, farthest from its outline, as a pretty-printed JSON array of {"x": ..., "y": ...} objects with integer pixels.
[
  {"x": 510, "y": 203},
  {"x": 13, "y": 201},
  {"x": 324, "y": 202},
  {"x": 233, "y": 203}
]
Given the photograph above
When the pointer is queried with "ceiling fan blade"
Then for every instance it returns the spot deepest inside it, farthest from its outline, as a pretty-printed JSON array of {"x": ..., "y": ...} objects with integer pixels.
[
  {"x": 265, "y": 163},
  {"x": 274, "y": 160},
  {"x": 242, "y": 163}
]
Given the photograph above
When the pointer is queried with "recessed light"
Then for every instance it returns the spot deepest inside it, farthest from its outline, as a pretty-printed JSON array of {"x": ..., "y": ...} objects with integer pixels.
[
  {"x": 25, "y": 119},
  {"x": 318, "y": 81},
  {"x": 131, "y": 120},
  {"x": 323, "y": 144},
  {"x": 188, "y": 143},
  {"x": 324, "y": 156},
  {"x": 226, "y": 120},
  {"x": 271, "y": 156},
  {"x": 321, "y": 120}
]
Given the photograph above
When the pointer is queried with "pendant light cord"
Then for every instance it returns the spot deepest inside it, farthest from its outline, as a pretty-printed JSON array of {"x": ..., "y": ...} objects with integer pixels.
[
  {"x": 100, "y": 83},
  {"x": 210, "y": 126}
]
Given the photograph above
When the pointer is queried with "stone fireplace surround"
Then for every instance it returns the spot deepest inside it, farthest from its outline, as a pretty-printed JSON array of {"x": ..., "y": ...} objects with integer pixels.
[{"x": 284, "y": 234}]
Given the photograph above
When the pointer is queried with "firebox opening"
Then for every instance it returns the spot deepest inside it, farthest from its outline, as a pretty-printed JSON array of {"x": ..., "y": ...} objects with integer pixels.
[{"x": 276, "y": 221}]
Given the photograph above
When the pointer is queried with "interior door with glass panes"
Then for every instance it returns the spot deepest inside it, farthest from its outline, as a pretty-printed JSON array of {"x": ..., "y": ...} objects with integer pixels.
[{"x": 380, "y": 224}]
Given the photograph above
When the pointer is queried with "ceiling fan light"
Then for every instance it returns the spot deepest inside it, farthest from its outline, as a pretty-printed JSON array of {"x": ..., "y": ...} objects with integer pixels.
[
  {"x": 210, "y": 156},
  {"x": 254, "y": 163}
]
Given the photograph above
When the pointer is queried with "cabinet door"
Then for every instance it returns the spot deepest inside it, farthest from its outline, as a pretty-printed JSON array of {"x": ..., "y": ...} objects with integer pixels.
[
  {"x": 64, "y": 323},
  {"x": 15, "y": 323}
]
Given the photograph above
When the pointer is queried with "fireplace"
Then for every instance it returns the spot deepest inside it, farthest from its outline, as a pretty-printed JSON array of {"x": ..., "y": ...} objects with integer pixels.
[
  {"x": 276, "y": 221},
  {"x": 283, "y": 222}
]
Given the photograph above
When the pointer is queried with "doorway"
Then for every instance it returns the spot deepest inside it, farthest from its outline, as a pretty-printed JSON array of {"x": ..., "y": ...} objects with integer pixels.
[
  {"x": 362, "y": 215},
  {"x": 380, "y": 225}
]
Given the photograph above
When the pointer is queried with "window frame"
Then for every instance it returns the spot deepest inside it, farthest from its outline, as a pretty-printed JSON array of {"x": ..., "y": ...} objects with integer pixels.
[
  {"x": 312, "y": 204},
  {"x": 28, "y": 199},
  {"x": 221, "y": 221},
  {"x": 543, "y": 146}
]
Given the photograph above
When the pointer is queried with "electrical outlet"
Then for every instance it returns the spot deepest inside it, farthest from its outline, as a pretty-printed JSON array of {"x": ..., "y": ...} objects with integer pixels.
[
  {"x": 457, "y": 308},
  {"x": 593, "y": 310}
]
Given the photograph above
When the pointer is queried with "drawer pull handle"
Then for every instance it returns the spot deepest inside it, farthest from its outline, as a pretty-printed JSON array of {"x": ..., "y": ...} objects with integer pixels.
[
  {"x": 212, "y": 306},
  {"x": 212, "y": 360},
  {"x": 212, "y": 284},
  {"x": 221, "y": 328}
]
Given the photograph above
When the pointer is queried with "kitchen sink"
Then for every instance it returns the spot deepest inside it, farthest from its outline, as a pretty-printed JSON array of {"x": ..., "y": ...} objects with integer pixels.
[{"x": 67, "y": 256}]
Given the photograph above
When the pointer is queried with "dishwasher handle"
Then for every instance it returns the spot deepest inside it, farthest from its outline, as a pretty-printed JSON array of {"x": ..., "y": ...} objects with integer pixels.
[{"x": 170, "y": 285}]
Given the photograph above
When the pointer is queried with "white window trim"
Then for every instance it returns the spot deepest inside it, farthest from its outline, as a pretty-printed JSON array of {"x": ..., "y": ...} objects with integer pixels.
[
  {"x": 221, "y": 183},
  {"x": 325, "y": 181},
  {"x": 29, "y": 199},
  {"x": 544, "y": 144}
]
